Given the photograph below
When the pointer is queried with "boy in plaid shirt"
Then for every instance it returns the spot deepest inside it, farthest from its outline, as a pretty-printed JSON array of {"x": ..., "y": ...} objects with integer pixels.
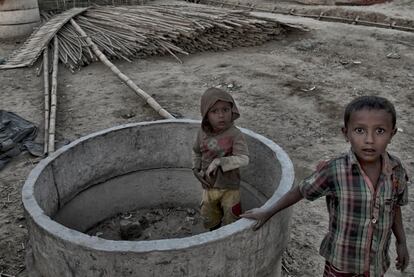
[{"x": 364, "y": 188}]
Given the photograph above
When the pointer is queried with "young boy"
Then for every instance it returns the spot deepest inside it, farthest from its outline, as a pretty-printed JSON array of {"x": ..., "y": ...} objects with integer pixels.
[
  {"x": 364, "y": 190},
  {"x": 218, "y": 152}
]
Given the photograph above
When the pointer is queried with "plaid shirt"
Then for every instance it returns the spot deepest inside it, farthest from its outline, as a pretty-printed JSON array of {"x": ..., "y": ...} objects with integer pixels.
[{"x": 360, "y": 214}]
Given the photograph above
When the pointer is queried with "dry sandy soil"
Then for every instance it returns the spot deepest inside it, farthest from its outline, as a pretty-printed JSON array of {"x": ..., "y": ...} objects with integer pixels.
[{"x": 292, "y": 90}]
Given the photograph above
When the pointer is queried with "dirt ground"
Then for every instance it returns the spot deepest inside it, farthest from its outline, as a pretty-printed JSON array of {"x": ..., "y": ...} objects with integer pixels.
[
  {"x": 151, "y": 224},
  {"x": 292, "y": 90}
]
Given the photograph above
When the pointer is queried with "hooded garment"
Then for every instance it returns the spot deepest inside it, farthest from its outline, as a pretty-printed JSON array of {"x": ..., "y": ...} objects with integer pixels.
[
  {"x": 229, "y": 145},
  {"x": 208, "y": 99}
]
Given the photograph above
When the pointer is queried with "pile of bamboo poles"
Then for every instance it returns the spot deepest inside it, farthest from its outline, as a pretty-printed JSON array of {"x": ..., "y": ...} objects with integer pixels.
[
  {"x": 140, "y": 31},
  {"x": 104, "y": 33}
]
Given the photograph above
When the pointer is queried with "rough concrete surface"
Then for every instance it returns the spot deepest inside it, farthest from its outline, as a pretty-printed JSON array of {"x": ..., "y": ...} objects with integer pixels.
[{"x": 95, "y": 193}]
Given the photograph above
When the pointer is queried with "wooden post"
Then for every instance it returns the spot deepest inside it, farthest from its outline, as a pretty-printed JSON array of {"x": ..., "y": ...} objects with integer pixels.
[
  {"x": 46, "y": 95},
  {"x": 53, "y": 98},
  {"x": 122, "y": 76}
]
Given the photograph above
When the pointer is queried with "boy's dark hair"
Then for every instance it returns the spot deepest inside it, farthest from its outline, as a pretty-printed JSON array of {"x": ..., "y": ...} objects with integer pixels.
[{"x": 370, "y": 103}]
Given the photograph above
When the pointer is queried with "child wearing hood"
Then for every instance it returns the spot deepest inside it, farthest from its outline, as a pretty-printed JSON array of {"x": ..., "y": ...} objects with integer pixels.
[{"x": 218, "y": 152}]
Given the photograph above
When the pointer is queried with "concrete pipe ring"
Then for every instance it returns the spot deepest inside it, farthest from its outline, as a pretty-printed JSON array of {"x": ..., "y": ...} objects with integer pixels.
[{"x": 134, "y": 166}]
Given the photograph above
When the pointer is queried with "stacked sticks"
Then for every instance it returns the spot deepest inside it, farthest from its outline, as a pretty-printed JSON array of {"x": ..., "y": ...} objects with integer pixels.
[
  {"x": 104, "y": 33},
  {"x": 141, "y": 31}
]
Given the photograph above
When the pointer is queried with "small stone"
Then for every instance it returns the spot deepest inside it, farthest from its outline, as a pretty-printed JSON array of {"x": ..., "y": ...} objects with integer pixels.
[
  {"x": 191, "y": 212},
  {"x": 189, "y": 218},
  {"x": 393, "y": 55},
  {"x": 144, "y": 222},
  {"x": 305, "y": 46},
  {"x": 126, "y": 216},
  {"x": 192, "y": 220},
  {"x": 150, "y": 218},
  {"x": 127, "y": 114},
  {"x": 130, "y": 230},
  {"x": 177, "y": 114},
  {"x": 186, "y": 230}
]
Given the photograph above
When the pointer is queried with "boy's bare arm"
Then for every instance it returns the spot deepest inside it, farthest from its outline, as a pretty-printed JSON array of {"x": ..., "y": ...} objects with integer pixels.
[
  {"x": 401, "y": 243},
  {"x": 262, "y": 215}
]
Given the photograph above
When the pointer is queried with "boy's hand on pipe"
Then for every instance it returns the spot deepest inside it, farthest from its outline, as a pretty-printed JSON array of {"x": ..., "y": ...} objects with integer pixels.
[
  {"x": 261, "y": 215},
  {"x": 403, "y": 257}
]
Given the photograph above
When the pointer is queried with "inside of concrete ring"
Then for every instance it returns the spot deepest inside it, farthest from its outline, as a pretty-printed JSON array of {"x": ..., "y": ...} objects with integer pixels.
[{"x": 135, "y": 166}]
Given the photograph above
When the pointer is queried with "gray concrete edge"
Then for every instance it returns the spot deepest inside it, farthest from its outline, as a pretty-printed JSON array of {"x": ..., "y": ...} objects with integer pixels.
[{"x": 66, "y": 234}]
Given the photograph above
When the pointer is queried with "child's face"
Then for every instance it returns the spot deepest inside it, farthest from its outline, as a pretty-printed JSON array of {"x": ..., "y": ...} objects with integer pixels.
[
  {"x": 369, "y": 132},
  {"x": 219, "y": 116}
]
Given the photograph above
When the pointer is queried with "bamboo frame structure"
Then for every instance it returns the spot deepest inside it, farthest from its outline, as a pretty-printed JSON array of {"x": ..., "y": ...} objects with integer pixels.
[
  {"x": 151, "y": 101},
  {"x": 53, "y": 98},
  {"x": 46, "y": 96}
]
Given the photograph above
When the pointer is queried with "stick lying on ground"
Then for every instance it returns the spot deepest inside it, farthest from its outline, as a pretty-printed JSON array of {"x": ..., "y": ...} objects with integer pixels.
[
  {"x": 122, "y": 76},
  {"x": 53, "y": 97}
]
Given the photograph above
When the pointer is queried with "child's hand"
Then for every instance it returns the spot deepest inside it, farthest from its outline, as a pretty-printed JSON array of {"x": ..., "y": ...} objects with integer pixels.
[
  {"x": 200, "y": 176},
  {"x": 259, "y": 214},
  {"x": 402, "y": 256},
  {"x": 212, "y": 168}
]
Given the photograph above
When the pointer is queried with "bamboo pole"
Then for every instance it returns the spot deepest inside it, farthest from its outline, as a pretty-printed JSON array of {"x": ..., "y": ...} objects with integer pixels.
[
  {"x": 53, "y": 98},
  {"x": 151, "y": 101},
  {"x": 47, "y": 96}
]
